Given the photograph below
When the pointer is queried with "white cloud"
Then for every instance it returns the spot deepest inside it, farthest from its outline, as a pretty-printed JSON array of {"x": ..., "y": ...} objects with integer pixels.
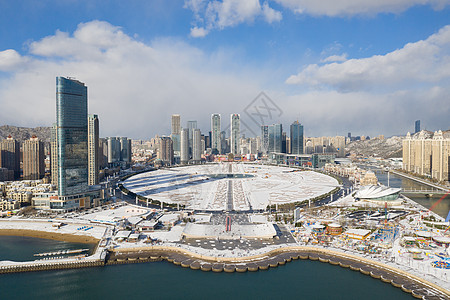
[
  {"x": 198, "y": 32},
  {"x": 271, "y": 15},
  {"x": 132, "y": 86},
  {"x": 334, "y": 58},
  {"x": 211, "y": 15},
  {"x": 425, "y": 62},
  {"x": 10, "y": 59},
  {"x": 355, "y": 7}
]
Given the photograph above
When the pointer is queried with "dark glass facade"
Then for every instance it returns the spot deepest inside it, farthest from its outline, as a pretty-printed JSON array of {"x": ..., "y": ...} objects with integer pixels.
[
  {"x": 72, "y": 136},
  {"x": 275, "y": 138},
  {"x": 296, "y": 138}
]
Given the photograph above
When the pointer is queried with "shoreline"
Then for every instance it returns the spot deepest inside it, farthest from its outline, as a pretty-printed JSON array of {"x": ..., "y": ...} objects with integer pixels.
[
  {"x": 64, "y": 237},
  {"x": 288, "y": 249},
  {"x": 168, "y": 250}
]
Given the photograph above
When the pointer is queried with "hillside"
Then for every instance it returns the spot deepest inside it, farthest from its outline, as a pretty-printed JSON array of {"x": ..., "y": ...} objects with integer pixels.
[
  {"x": 386, "y": 148},
  {"x": 22, "y": 133}
]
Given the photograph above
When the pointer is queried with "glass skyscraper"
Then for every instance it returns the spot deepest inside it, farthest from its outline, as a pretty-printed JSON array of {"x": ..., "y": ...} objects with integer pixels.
[
  {"x": 275, "y": 138},
  {"x": 296, "y": 138},
  {"x": 71, "y": 136}
]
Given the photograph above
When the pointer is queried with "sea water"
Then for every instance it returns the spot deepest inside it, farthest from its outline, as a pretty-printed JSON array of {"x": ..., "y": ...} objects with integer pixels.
[{"x": 300, "y": 279}]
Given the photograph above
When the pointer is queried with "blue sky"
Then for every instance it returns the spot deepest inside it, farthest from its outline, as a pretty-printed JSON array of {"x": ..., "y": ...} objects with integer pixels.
[{"x": 369, "y": 67}]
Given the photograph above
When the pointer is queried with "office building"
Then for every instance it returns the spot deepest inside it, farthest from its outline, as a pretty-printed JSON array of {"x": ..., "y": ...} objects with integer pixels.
[
  {"x": 93, "y": 149},
  {"x": 10, "y": 156},
  {"x": 72, "y": 135},
  {"x": 275, "y": 137},
  {"x": 33, "y": 159},
  {"x": 235, "y": 134},
  {"x": 417, "y": 126},
  {"x": 125, "y": 151},
  {"x": 296, "y": 139},
  {"x": 113, "y": 151},
  {"x": 216, "y": 141}
]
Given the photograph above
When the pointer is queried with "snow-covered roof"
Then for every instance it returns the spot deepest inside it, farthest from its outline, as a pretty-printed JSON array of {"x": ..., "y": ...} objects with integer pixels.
[
  {"x": 358, "y": 232},
  {"x": 375, "y": 191},
  {"x": 134, "y": 220},
  {"x": 123, "y": 234}
]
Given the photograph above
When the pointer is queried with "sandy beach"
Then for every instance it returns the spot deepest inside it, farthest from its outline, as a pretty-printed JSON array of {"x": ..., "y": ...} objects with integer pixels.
[{"x": 50, "y": 235}]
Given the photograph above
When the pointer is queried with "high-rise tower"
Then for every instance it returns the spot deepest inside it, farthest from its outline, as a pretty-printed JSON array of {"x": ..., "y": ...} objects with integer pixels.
[
  {"x": 296, "y": 138},
  {"x": 216, "y": 141},
  {"x": 235, "y": 134},
  {"x": 93, "y": 149},
  {"x": 10, "y": 156},
  {"x": 175, "y": 135},
  {"x": 33, "y": 159},
  {"x": 71, "y": 136},
  {"x": 184, "y": 145}
]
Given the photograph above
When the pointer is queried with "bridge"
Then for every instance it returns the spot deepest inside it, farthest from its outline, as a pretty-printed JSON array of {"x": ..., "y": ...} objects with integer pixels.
[{"x": 423, "y": 191}]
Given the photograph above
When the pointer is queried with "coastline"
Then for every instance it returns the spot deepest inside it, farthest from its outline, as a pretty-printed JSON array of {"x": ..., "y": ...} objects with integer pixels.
[
  {"x": 65, "y": 237},
  {"x": 168, "y": 250},
  {"x": 287, "y": 249}
]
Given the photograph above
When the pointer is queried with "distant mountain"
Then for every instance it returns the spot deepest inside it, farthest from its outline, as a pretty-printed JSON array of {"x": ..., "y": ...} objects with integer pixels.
[
  {"x": 386, "y": 148},
  {"x": 23, "y": 133}
]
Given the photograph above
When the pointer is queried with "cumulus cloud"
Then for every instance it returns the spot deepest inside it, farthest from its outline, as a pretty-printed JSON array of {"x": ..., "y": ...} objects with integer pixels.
[
  {"x": 356, "y": 7},
  {"x": 426, "y": 62},
  {"x": 198, "y": 32},
  {"x": 211, "y": 15},
  {"x": 10, "y": 60},
  {"x": 134, "y": 87}
]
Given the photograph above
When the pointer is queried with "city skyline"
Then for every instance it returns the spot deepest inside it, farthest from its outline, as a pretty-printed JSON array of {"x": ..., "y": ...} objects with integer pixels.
[{"x": 367, "y": 69}]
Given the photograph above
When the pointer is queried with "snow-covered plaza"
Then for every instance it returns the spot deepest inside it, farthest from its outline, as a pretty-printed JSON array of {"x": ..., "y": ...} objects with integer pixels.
[{"x": 230, "y": 186}]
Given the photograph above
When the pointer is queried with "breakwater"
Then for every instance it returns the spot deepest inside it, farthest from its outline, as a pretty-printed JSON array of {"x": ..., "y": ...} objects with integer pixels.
[{"x": 407, "y": 282}]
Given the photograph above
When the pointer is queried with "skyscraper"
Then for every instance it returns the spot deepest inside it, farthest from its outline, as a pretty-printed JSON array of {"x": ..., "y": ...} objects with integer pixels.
[
  {"x": 275, "y": 138},
  {"x": 184, "y": 145},
  {"x": 191, "y": 125},
  {"x": 113, "y": 151},
  {"x": 125, "y": 150},
  {"x": 417, "y": 126},
  {"x": 216, "y": 141},
  {"x": 54, "y": 156},
  {"x": 235, "y": 134},
  {"x": 71, "y": 136},
  {"x": 175, "y": 134},
  {"x": 296, "y": 138},
  {"x": 33, "y": 159},
  {"x": 197, "y": 145},
  {"x": 93, "y": 149},
  {"x": 165, "y": 151},
  {"x": 264, "y": 139},
  {"x": 176, "y": 124},
  {"x": 10, "y": 156}
]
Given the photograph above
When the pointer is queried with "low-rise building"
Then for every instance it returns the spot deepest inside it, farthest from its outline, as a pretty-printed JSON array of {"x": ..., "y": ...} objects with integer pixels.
[{"x": 9, "y": 204}]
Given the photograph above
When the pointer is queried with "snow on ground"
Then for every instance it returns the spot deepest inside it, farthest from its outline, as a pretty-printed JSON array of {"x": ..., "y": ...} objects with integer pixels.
[
  {"x": 193, "y": 186},
  {"x": 265, "y": 230},
  {"x": 71, "y": 227},
  {"x": 174, "y": 235}
]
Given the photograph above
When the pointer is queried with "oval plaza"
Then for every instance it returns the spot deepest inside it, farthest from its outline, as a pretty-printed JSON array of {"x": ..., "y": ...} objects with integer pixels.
[{"x": 230, "y": 186}]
